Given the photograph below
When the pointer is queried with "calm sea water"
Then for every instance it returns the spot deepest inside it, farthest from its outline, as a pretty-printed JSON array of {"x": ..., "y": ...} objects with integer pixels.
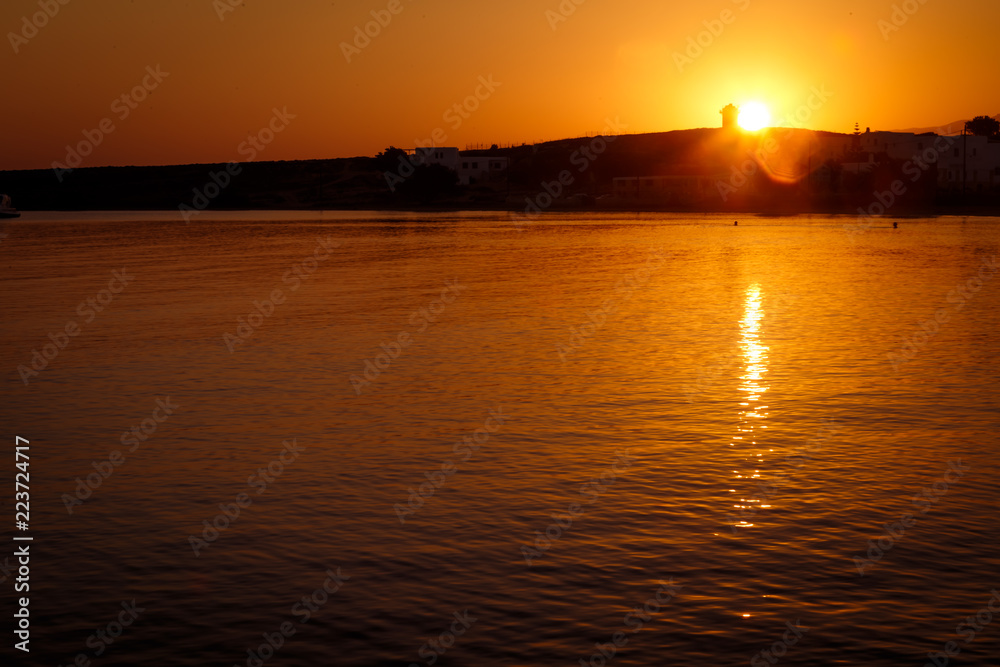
[{"x": 662, "y": 434}]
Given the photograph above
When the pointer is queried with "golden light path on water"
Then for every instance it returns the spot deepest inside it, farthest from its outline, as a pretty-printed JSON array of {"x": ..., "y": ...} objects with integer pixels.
[{"x": 752, "y": 413}]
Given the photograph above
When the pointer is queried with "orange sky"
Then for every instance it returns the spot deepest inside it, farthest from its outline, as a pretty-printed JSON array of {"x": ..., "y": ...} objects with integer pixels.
[{"x": 606, "y": 59}]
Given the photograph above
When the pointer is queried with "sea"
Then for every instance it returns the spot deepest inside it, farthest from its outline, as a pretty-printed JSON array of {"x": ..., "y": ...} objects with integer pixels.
[{"x": 469, "y": 438}]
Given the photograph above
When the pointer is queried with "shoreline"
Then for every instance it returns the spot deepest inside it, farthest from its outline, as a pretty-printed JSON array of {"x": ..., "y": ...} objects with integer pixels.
[{"x": 977, "y": 211}]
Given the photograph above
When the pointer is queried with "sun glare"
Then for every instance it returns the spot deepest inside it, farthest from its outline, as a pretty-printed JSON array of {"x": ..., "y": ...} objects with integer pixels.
[{"x": 754, "y": 116}]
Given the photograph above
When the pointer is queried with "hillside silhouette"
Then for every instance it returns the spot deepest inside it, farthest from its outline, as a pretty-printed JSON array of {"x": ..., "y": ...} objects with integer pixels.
[{"x": 708, "y": 169}]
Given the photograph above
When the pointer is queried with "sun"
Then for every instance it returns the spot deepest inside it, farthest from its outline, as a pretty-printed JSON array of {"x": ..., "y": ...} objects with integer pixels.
[{"x": 754, "y": 116}]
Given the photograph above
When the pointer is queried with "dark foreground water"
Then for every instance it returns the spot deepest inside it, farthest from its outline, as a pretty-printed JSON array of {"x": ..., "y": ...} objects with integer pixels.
[{"x": 684, "y": 441}]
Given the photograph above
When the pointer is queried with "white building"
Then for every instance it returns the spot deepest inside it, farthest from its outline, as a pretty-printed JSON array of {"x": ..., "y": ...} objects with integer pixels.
[
  {"x": 481, "y": 169},
  {"x": 471, "y": 169},
  {"x": 447, "y": 157},
  {"x": 974, "y": 160},
  {"x": 898, "y": 145}
]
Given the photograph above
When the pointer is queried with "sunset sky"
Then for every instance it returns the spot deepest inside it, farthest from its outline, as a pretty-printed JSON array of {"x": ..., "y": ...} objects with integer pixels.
[{"x": 605, "y": 60}]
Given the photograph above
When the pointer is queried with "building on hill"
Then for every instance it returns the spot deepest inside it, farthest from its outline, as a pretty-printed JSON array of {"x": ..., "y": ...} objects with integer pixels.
[
  {"x": 446, "y": 157},
  {"x": 970, "y": 164},
  {"x": 472, "y": 167},
  {"x": 730, "y": 116},
  {"x": 965, "y": 162},
  {"x": 475, "y": 168},
  {"x": 897, "y": 145}
]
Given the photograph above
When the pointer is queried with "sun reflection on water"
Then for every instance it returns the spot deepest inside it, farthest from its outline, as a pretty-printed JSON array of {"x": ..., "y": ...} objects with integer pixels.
[{"x": 752, "y": 386}]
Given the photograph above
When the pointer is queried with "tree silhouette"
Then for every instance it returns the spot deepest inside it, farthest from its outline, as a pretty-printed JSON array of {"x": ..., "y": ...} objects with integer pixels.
[
  {"x": 388, "y": 160},
  {"x": 984, "y": 126}
]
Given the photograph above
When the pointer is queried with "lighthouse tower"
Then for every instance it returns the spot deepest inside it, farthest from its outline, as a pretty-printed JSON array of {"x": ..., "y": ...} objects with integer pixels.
[{"x": 730, "y": 114}]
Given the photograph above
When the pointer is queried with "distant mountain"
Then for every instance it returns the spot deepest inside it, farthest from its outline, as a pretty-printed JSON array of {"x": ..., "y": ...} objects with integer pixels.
[{"x": 956, "y": 127}]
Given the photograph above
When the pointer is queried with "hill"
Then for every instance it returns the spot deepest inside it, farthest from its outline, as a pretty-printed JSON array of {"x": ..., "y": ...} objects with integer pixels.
[
  {"x": 956, "y": 127},
  {"x": 708, "y": 169}
]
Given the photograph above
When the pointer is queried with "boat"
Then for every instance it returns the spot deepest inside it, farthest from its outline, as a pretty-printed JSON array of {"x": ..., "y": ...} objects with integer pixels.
[{"x": 6, "y": 210}]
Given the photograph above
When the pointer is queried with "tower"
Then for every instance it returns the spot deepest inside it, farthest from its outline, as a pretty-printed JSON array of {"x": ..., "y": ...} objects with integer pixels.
[{"x": 730, "y": 114}]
